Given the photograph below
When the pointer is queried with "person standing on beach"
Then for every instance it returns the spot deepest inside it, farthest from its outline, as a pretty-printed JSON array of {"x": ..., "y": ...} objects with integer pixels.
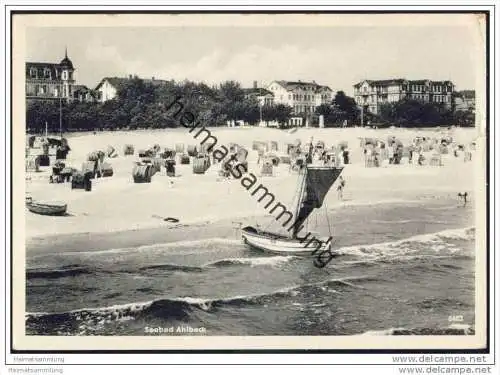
[
  {"x": 340, "y": 188},
  {"x": 410, "y": 153},
  {"x": 464, "y": 197},
  {"x": 390, "y": 152}
]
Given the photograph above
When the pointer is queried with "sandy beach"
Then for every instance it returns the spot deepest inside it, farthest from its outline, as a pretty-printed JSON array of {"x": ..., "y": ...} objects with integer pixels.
[{"x": 118, "y": 204}]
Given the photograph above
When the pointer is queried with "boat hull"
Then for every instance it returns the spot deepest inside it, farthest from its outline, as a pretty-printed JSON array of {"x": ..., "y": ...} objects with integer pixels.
[
  {"x": 277, "y": 244},
  {"x": 47, "y": 209}
]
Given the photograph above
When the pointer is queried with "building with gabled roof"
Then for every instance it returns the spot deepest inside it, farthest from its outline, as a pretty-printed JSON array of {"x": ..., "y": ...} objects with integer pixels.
[
  {"x": 262, "y": 95},
  {"x": 50, "y": 81},
  {"x": 108, "y": 87},
  {"x": 82, "y": 93}
]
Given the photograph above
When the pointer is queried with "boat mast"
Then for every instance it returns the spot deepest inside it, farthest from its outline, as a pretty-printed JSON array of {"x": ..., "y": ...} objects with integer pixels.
[{"x": 299, "y": 201}]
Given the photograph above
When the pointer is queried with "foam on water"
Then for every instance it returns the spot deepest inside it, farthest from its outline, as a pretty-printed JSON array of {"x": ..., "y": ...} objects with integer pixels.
[
  {"x": 435, "y": 242},
  {"x": 257, "y": 261},
  {"x": 433, "y": 245},
  {"x": 453, "y": 329},
  {"x": 155, "y": 247}
]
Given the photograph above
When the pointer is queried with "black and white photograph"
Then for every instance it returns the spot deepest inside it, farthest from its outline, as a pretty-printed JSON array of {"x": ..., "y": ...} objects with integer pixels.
[{"x": 249, "y": 181}]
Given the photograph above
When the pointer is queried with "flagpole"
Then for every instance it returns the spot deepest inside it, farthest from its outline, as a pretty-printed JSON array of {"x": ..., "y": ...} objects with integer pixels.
[
  {"x": 60, "y": 117},
  {"x": 260, "y": 106}
]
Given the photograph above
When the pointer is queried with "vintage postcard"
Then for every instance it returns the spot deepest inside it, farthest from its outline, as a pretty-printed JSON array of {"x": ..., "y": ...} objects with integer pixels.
[{"x": 313, "y": 181}]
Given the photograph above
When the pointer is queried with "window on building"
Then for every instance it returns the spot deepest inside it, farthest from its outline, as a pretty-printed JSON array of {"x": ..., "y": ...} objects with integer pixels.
[
  {"x": 33, "y": 73},
  {"x": 289, "y": 96},
  {"x": 47, "y": 73}
]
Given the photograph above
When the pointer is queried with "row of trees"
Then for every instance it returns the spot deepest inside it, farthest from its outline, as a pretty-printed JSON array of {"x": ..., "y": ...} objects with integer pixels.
[
  {"x": 342, "y": 110},
  {"x": 413, "y": 113},
  {"x": 404, "y": 113},
  {"x": 139, "y": 104},
  {"x": 143, "y": 105}
]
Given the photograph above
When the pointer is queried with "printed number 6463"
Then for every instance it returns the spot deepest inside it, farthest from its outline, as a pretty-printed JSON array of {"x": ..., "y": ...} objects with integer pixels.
[{"x": 456, "y": 318}]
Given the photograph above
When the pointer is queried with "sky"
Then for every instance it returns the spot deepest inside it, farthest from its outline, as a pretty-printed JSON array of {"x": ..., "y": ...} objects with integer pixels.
[{"x": 337, "y": 56}]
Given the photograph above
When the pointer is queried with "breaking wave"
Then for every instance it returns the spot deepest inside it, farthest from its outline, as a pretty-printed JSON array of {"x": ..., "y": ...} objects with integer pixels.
[
  {"x": 170, "y": 309},
  {"x": 260, "y": 261},
  {"x": 434, "y": 245},
  {"x": 77, "y": 270},
  {"x": 425, "y": 245}
]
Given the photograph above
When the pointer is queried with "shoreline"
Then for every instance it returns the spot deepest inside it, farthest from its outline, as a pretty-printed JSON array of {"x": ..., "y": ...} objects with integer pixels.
[
  {"x": 117, "y": 206},
  {"x": 226, "y": 228},
  {"x": 210, "y": 220}
]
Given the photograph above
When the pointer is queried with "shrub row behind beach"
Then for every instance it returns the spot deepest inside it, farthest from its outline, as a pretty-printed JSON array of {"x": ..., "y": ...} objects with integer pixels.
[{"x": 140, "y": 104}]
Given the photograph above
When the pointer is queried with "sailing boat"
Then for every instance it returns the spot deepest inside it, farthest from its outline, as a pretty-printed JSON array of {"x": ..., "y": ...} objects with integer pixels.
[{"x": 315, "y": 183}]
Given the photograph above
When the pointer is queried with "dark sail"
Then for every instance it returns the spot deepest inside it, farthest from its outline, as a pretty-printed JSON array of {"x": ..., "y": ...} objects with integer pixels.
[{"x": 318, "y": 182}]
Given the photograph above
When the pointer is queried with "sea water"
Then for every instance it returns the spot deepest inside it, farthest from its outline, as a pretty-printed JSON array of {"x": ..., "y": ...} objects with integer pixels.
[{"x": 401, "y": 268}]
